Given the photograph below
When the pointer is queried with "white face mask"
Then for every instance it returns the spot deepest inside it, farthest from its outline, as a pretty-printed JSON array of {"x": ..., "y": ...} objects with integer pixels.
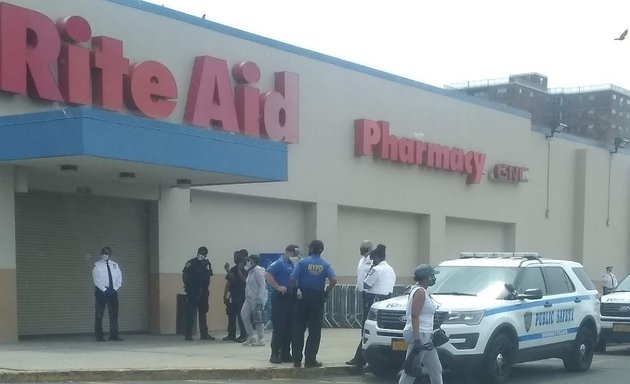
[
  {"x": 105, "y": 257},
  {"x": 248, "y": 265},
  {"x": 295, "y": 259},
  {"x": 200, "y": 257}
]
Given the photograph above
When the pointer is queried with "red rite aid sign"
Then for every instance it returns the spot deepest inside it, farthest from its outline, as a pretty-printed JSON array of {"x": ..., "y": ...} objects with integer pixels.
[
  {"x": 61, "y": 61},
  {"x": 373, "y": 138}
]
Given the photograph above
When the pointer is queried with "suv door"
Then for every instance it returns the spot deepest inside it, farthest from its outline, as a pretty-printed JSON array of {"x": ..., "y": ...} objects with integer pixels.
[
  {"x": 527, "y": 328},
  {"x": 559, "y": 305}
]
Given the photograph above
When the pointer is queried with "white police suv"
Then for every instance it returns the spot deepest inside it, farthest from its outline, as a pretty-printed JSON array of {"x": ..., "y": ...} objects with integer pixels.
[
  {"x": 498, "y": 309},
  {"x": 615, "y": 315}
]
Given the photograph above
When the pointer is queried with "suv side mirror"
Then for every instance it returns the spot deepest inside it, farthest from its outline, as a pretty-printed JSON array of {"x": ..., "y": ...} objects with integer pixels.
[{"x": 531, "y": 294}]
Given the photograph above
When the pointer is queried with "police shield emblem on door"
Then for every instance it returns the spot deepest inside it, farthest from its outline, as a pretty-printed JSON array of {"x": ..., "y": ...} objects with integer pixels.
[{"x": 528, "y": 320}]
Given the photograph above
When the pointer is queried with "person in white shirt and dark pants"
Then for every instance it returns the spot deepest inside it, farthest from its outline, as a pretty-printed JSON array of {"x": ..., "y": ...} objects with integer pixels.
[
  {"x": 379, "y": 285},
  {"x": 107, "y": 281},
  {"x": 610, "y": 280},
  {"x": 365, "y": 264}
]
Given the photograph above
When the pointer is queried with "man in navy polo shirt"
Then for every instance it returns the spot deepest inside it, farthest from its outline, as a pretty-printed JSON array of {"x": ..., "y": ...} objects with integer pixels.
[
  {"x": 309, "y": 277},
  {"x": 278, "y": 275}
]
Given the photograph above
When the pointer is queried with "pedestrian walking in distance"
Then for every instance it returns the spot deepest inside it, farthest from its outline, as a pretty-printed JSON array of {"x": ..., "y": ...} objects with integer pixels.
[{"x": 107, "y": 281}]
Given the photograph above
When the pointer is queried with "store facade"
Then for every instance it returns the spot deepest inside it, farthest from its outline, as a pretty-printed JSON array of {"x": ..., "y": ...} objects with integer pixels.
[{"x": 130, "y": 125}]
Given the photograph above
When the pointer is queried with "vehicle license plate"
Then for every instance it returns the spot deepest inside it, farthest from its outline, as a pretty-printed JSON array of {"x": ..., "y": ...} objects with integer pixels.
[
  {"x": 399, "y": 345},
  {"x": 621, "y": 327}
]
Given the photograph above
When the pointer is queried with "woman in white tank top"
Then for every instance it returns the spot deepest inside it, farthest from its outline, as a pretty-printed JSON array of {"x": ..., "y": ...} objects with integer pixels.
[{"x": 419, "y": 326}]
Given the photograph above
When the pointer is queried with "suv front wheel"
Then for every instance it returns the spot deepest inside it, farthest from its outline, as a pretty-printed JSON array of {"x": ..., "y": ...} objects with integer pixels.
[
  {"x": 498, "y": 360},
  {"x": 581, "y": 355}
]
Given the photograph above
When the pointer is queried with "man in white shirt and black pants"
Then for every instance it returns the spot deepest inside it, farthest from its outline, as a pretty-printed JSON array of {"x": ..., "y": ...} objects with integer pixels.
[
  {"x": 610, "y": 280},
  {"x": 378, "y": 285},
  {"x": 107, "y": 281}
]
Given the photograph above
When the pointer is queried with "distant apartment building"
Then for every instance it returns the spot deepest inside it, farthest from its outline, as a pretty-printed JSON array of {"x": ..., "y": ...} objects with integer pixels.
[{"x": 600, "y": 112}]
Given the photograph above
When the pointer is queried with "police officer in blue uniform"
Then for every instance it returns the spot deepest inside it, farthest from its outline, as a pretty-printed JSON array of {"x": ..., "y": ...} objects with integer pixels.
[
  {"x": 309, "y": 277},
  {"x": 278, "y": 275},
  {"x": 196, "y": 276}
]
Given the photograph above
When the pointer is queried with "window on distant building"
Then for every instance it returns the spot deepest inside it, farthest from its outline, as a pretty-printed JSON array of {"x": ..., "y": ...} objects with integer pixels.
[
  {"x": 520, "y": 90},
  {"x": 591, "y": 97},
  {"x": 613, "y": 111},
  {"x": 590, "y": 112},
  {"x": 531, "y": 94},
  {"x": 591, "y": 126},
  {"x": 501, "y": 90},
  {"x": 614, "y": 97}
]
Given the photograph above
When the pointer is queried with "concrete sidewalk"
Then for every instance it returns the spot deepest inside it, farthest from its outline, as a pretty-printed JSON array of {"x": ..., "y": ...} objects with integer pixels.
[{"x": 151, "y": 357}]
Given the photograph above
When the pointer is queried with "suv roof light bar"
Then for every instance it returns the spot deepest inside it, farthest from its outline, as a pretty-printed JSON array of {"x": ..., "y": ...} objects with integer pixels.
[{"x": 500, "y": 255}]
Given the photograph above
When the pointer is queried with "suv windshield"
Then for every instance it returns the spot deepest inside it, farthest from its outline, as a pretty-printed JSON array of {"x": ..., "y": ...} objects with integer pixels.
[
  {"x": 624, "y": 286},
  {"x": 474, "y": 281}
]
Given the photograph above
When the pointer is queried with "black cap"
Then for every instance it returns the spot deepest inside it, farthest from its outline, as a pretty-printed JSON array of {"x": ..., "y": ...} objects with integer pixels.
[
  {"x": 202, "y": 251},
  {"x": 254, "y": 258},
  {"x": 292, "y": 248},
  {"x": 424, "y": 270},
  {"x": 106, "y": 250}
]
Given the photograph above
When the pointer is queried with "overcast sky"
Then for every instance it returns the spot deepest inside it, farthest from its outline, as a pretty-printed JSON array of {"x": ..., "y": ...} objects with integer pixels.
[{"x": 442, "y": 42}]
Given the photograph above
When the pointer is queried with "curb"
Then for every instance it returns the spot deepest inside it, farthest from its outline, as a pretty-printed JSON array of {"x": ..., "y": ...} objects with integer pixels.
[{"x": 176, "y": 374}]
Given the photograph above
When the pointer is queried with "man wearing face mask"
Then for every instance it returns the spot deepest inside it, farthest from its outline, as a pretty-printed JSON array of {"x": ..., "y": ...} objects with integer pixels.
[
  {"x": 379, "y": 285},
  {"x": 278, "y": 275},
  {"x": 196, "y": 276},
  {"x": 107, "y": 281}
]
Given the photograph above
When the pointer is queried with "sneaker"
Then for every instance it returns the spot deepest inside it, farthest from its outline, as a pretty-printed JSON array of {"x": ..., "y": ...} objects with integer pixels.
[
  {"x": 313, "y": 364},
  {"x": 258, "y": 343},
  {"x": 207, "y": 337},
  {"x": 287, "y": 359},
  {"x": 275, "y": 359},
  {"x": 240, "y": 339},
  {"x": 100, "y": 339},
  {"x": 229, "y": 338},
  {"x": 188, "y": 338},
  {"x": 249, "y": 342},
  {"x": 297, "y": 364}
]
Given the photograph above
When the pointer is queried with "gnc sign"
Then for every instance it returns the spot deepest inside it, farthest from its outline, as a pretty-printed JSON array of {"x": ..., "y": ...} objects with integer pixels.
[
  {"x": 61, "y": 61},
  {"x": 373, "y": 138}
]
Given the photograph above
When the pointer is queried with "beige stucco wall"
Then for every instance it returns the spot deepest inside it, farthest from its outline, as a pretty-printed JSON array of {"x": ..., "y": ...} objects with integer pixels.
[
  {"x": 330, "y": 192},
  {"x": 8, "y": 285}
]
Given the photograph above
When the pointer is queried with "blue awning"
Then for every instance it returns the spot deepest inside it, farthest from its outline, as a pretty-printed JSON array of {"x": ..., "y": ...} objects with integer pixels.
[{"x": 89, "y": 134}]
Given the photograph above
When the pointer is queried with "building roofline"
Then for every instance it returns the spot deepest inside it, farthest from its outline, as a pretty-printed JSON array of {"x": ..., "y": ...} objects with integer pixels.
[{"x": 230, "y": 31}]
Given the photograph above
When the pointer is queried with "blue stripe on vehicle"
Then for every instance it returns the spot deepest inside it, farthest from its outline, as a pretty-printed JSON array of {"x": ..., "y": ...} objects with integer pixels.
[
  {"x": 537, "y": 303},
  {"x": 542, "y": 335}
]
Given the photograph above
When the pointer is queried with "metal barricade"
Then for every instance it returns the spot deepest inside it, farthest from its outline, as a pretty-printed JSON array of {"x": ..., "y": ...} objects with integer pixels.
[{"x": 343, "y": 309}]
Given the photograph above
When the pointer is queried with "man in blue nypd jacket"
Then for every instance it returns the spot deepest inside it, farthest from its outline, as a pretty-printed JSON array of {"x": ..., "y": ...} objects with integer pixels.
[{"x": 309, "y": 277}]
